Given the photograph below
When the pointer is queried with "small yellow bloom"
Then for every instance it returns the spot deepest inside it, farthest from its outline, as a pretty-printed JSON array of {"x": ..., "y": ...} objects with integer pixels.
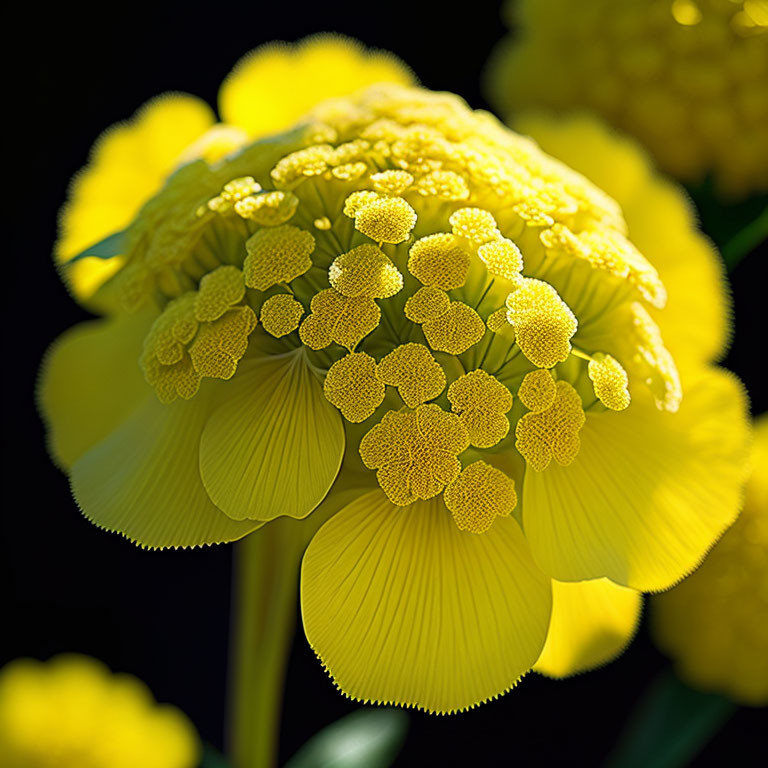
[
  {"x": 688, "y": 78},
  {"x": 471, "y": 316},
  {"x": 714, "y": 625},
  {"x": 71, "y": 712}
]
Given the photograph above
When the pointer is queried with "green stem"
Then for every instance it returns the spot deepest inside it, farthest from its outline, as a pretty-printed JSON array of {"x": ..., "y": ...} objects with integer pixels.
[
  {"x": 265, "y": 586},
  {"x": 745, "y": 240}
]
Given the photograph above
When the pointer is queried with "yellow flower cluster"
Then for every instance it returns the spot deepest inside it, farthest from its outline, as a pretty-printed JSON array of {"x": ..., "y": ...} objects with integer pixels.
[
  {"x": 409, "y": 319},
  {"x": 689, "y": 78},
  {"x": 71, "y": 712}
]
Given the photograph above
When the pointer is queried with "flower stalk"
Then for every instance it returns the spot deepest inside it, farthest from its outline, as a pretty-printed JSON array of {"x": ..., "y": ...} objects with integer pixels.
[{"x": 265, "y": 578}]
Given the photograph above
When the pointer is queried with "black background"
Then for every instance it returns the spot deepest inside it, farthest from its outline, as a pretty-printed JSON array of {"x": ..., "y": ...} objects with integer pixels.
[{"x": 164, "y": 616}]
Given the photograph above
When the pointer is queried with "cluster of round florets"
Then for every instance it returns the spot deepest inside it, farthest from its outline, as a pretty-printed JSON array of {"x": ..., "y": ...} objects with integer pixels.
[
  {"x": 689, "y": 78},
  {"x": 456, "y": 288}
]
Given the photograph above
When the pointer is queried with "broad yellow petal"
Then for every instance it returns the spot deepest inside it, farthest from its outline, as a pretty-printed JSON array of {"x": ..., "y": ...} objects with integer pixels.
[
  {"x": 128, "y": 164},
  {"x": 90, "y": 381},
  {"x": 696, "y": 321},
  {"x": 662, "y": 223},
  {"x": 649, "y": 492},
  {"x": 143, "y": 480},
  {"x": 275, "y": 85},
  {"x": 275, "y": 445},
  {"x": 402, "y": 607},
  {"x": 592, "y": 622}
]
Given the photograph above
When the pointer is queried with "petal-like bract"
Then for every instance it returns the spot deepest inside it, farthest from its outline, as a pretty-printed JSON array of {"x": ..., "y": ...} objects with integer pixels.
[
  {"x": 650, "y": 492},
  {"x": 403, "y": 608},
  {"x": 275, "y": 446},
  {"x": 592, "y": 622}
]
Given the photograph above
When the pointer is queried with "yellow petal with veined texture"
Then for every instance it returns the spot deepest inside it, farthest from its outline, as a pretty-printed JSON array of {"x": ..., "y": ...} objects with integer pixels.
[
  {"x": 274, "y": 447},
  {"x": 649, "y": 491},
  {"x": 592, "y": 622},
  {"x": 128, "y": 164},
  {"x": 143, "y": 480},
  {"x": 91, "y": 381},
  {"x": 275, "y": 85},
  {"x": 402, "y": 607}
]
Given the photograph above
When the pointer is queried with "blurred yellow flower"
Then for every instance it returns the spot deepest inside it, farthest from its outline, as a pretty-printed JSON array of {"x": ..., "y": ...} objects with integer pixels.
[
  {"x": 72, "y": 712},
  {"x": 688, "y": 78},
  {"x": 407, "y": 318},
  {"x": 714, "y": 625}
]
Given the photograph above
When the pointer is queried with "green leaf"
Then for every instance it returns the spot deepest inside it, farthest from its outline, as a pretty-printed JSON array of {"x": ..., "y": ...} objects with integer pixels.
[
  {"x": 737, "y": 228},
  {"x": 368, "y": 737},
  {"x": 111, "y": 246},
  {"x": 669, "y": 726},
  {"x": 745, "y": 241}
]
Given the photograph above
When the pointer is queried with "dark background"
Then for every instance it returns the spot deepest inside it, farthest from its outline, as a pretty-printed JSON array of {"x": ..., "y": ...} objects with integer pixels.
[{"x": 164, "y": 616}]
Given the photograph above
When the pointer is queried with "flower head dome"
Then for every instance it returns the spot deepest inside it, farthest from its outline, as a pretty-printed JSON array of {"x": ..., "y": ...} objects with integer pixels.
[
  {"x": 686, "y": 77},
  {"x": 71, "y": 712},
  {"x": 715, "y": 624},
  {"x": 407, "y": 319}
]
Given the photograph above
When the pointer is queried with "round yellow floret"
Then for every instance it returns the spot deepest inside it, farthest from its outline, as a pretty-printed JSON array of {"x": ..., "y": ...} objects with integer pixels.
[
  {"x": 416, "y": 374},
  {"x": 349, "y": 171},
  {"x": 498, "y": 323},
  {"x": 353, "y": 386},
  {"x": 482, "y": 402},
  {"x": 358, "y": 200},
  {"x": 387, "y": 220},
  {"x": 270, "y": 209},
  {"x": 554, "y": 432},
  {"x": 221, "y": 344},
  {"x": 455, "y": 331},
  {"x": 232, "y": 192},
  {"x": 277, "y": 255},
  {"x": 446, "y": 185},
  {"x": 543, "y": 322},
  {"x": 218, "y": 291},
  {"x": 365, "y": 271},
  {"x": 176, "y": 326},
  {"x": 502, "y": 258},
  {"x": 428, "y": 303},
  {"x": 304, "y": 163},
  {"x": 610, "y": 381},
  {"x": 415, "y": 452},
  {"x": 439, "y": 261},
  {"x": 392, "y": 182},
  {"x": 281, "y": 314},
  {"x": 537, "y": 390},
  {"x": 476, "y": 224},
  {"x": 338, "y": 318},
  {"x": 479, "y": 495}
]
